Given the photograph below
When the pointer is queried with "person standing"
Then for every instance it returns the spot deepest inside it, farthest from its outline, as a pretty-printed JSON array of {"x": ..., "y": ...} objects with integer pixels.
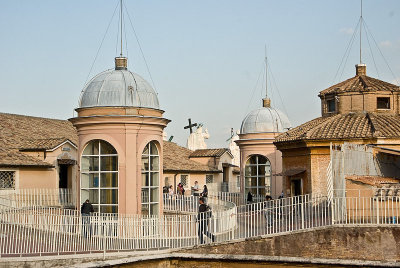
[
  {"x": 86, "y": 209},
  {"x": 204, "y": 194},
  {"x": 203, "y": 218},
  {"x": 196, "y": 189}
]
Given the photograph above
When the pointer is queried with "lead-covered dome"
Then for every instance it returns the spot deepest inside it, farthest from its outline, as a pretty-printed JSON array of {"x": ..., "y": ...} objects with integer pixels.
[
  {"x": 265, "y": 119},
  {"x": 118, "y": 88}
]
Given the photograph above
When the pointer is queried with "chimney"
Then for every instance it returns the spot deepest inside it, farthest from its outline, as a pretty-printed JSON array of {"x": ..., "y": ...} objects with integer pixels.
[
  {"x": 361, "y": 69},
  {"x": 267, "y": 103},
  {"x": 121, "y": 63}
]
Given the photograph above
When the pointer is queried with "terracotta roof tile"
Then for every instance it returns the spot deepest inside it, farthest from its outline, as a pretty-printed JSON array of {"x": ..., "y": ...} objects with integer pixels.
[
  {"x": 209, "y": 152},
  {"x": 20, "y": 132},
  {"x": 345, "y": 126},
  {"x": 13, "y": 158},
  {"x": 176, "y": 159},
  {"x": 360, "y": 83}
]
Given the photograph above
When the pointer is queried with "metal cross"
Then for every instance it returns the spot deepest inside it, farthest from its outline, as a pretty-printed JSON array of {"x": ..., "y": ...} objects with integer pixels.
[{"x": 190, "y": 126}]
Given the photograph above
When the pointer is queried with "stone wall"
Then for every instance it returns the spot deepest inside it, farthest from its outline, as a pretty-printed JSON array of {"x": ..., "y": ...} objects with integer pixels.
[{"x": 339, "y": 243}]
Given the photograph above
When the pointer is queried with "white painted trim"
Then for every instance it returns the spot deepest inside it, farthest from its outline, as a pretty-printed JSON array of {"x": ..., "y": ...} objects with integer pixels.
[{"x": 61, "y": 144}]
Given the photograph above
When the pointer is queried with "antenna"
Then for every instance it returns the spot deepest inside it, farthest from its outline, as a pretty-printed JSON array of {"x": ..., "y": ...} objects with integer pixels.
[
  {"x": 266, "y": 73},
  {"x": 121, "y": 26},
  {"x": 361, "y": 19}
]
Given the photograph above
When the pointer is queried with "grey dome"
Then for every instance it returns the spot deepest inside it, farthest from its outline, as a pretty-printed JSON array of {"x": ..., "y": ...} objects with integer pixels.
[
  {"x": 265, "y": 119},
  {"x": 118, "y": 88}
]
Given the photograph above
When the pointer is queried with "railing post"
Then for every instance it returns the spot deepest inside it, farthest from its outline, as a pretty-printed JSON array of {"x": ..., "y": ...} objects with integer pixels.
[{"x": 302, "y": 212}]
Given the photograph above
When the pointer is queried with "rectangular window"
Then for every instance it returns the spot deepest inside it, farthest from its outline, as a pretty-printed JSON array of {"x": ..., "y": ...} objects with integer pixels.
[
  {"x": 209, "y": 179},
  {"x": 7, "y": 179},
  {"x": 184, "y": 180},
  {"x": 331, "y": 105},
  {"x": 383, "y": 103}
]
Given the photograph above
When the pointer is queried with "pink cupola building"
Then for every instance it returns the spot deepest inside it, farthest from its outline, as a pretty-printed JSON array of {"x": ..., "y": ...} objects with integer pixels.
[
  {"x": 260, "y": 161},
  {"x": 120, "y": 143}
]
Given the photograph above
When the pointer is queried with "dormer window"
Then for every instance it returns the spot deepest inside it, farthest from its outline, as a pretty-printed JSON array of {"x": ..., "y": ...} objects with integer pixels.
[
  {"x": 383, "y": 103},
  {"x": 331, "y": 105}
]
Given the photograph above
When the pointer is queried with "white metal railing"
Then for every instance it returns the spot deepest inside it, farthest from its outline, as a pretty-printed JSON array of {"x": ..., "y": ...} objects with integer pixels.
[
  {"x": 20, "y": 198},
  {"x": 33, "y": 231}
]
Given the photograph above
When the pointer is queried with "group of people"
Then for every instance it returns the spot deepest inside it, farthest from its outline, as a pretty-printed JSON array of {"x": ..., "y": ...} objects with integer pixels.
[{"x": 180, "y": 190}]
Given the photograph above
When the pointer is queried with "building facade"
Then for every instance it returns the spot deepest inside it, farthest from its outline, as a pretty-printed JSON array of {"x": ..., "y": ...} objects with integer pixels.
[
  {"x": 260, "y": 161},
  {"x": 361, "y": 110}
]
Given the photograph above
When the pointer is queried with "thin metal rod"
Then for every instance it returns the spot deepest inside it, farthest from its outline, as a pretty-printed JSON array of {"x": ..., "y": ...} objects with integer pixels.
[
  {"x": 266, "y": 73},
  {"x": 121, "y": 26},
  {"x": 361, "y": 19}
]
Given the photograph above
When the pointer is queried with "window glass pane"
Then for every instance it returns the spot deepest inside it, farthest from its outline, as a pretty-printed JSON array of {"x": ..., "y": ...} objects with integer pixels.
[
  {"x": 109, "y": 196},
  {"x": 383, "y": 103},
  {"x": 85, "y": 180},
  {"x": 92, "y": 195},
  {"x": 184, "y": 180},
  {"x": 145, "y": 209},
  {"x": 262, "y": 159},
  {"x": 331, "y": 106},
  {"x": 109, "y": 163},
  {"x": 145, "y": 163},
  {"x": 153, "y": 149},
  {"x": 154, "y": 163},
  {"x": 109, "y": 209},
  {"x": 146, "y": 150},
  {"x": 247, "y": 182},
  {"x": 145, "y": 195},
  {"x": 92, "y": 148},
  {"x": 261, "y": 191},
  {"x": 261, "y": 181},
  {"x": 153, "y": 209},
  {"x": 109, "y": 180},
  {"x": 154, "y": 197},
  {"x": 106, "y": 148},
  {"x": 261, "y": 170},
  {"x": 145, "y": 179},
  {"x": 252, "y": 160},
  {"x": 154, "y": 179},
  {"x": 90, "y": 180},
  {"x": 90, "y": 163}
]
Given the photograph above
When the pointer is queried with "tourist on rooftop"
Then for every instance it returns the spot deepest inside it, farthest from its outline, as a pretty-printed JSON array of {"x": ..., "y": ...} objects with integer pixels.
[{"x": 203, "y": 218}]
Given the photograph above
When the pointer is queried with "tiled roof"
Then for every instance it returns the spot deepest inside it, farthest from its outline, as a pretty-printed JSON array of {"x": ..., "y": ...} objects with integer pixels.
[
  {"x": 14, "y": 158},
  {"x": 20, "y": 132},
  {"x": 42, "y": 144},
  {"x": 345, "y": 126},
  {"x": 209, "y": 152},
  {"x": 360, "y": 83},
  {"x": 176, "y": 159},
  {"x": 373, "y": 180}
]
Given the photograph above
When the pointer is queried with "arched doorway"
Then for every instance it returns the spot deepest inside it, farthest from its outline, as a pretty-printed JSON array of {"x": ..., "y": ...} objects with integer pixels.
[
  {"x": 150, "y": 180},
  {"x": 99, "y": 176},
  {"x": 257, "y": 176}
]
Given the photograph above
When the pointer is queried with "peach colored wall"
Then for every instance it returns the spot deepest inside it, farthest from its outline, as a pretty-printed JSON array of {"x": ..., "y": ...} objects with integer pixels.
[
  {"x": 47, "y": 177},
  {"x": 129, "y": 135},
  {"x": 30, "y": 178},
  {"x": 261, "y": 143}
]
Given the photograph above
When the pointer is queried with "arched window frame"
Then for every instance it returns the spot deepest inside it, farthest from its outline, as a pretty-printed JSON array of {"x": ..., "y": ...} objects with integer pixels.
[
  {"x": 100, "y": 176},
  {"x": 150, "y": 193},
  {"x": 254, "y": 175}
]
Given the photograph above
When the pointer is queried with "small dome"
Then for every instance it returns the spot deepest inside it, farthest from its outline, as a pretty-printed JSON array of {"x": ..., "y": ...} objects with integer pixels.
[
  {"x": 118, "y": 88},
  {"x": 265, "y": 119}
]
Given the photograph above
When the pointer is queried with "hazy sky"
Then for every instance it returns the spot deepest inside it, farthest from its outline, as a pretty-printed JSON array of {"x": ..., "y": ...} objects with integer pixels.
[{"x": 205, "y": 57}]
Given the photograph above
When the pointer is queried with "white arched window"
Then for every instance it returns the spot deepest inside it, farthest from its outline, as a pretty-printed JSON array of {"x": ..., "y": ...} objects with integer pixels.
[
  {"x": 99, "y": 176},
  {"x": 150, "y": 179},
  {"x": 257, "y": 176}
]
